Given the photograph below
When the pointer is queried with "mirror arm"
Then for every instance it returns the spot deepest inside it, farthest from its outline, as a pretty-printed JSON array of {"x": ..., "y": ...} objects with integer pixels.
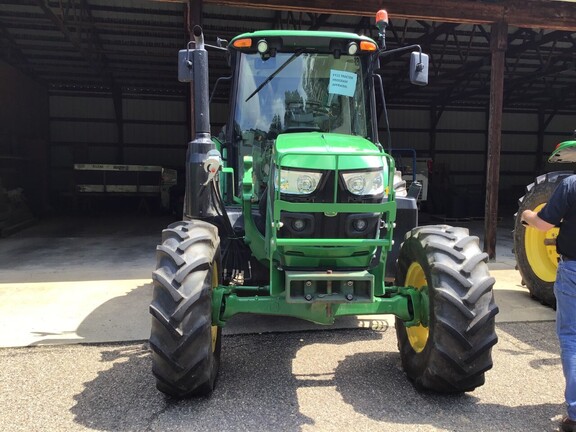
[
  {"x": 217, "y": 48},
  {"x": 382, "y": 53}
]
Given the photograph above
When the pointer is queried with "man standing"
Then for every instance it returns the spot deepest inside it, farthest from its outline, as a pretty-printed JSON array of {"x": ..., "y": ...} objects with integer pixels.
[{"x": 561, "y": 211}]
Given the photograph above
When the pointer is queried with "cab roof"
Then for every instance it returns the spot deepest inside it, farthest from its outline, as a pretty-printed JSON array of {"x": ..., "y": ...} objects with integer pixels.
[
  {"x": 302, "y": 33},
  {"x": 290, "y": 40}
]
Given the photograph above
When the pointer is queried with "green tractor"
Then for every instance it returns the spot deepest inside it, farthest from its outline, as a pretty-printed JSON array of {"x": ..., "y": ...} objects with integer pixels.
[
  {"x": 295, "y": 211},
  {"x": 536, "y": 255}
]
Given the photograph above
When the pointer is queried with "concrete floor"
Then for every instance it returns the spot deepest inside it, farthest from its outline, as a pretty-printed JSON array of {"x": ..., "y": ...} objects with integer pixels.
[{"x": 87, "y": 280}]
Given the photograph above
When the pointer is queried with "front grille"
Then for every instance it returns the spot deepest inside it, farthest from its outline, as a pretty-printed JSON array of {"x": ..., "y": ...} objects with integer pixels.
[{"x": 318, "y": 225}]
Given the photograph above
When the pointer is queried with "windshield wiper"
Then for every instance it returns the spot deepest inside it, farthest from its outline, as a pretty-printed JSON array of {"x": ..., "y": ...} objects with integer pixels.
[{"x": 276, "y": 72}]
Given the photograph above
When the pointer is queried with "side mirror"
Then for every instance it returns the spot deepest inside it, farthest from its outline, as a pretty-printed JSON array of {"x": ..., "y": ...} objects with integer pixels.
[
  {"x": 419, "y": 68},
  {"x": 185, "y": 66}
]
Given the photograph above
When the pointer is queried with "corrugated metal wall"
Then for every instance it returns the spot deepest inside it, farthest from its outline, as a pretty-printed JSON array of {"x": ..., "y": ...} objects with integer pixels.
[
  {"x": 84, "y": 130},
  {"x": 155, "y": 132},
  {"x": 461, "y": 141},
  {"x": 23, "y": 138}
]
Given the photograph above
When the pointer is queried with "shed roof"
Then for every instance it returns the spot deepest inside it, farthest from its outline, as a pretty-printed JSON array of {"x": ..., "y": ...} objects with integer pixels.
[{"x": 130, "y": 46}]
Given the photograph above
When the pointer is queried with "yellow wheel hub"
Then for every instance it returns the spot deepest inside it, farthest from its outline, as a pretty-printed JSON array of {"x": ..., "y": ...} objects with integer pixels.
[
  {"x": 541, "y": 251},
  {"x": 417, "y": 335}
]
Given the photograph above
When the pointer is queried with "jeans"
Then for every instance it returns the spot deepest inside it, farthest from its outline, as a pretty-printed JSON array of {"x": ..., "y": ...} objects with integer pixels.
[{"x": 565, "y": 291}]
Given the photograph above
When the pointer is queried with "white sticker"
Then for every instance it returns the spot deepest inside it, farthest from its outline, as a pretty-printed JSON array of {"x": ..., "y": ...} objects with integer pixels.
[{"x": 342, "y": 83}]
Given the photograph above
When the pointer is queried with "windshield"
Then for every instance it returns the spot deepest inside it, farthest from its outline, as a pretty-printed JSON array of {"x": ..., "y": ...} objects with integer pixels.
[{"x": 296, "y": 92}]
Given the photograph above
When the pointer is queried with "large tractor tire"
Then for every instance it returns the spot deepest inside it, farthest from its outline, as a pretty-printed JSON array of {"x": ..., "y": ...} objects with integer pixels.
[
  {"x": 450, "y": 350},
  {"x": 536, "y": 256},
  {"x": 185, "y": 345}
]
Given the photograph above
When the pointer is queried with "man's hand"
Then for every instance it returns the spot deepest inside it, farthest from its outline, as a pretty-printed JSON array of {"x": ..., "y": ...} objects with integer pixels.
[{"x": 531, "y": 219}]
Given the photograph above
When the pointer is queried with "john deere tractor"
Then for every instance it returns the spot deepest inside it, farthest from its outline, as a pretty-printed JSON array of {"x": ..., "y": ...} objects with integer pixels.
[
  {"x": 294, "y": 212},
  {"x": 536, "y": 255}
]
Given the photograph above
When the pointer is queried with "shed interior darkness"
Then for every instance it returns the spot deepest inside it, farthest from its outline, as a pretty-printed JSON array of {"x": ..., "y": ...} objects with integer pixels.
[{"x": 95, "y": 81}]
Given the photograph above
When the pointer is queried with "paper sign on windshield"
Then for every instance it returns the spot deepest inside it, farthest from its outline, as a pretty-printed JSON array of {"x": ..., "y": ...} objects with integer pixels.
[{"x": 342, "y": 83}]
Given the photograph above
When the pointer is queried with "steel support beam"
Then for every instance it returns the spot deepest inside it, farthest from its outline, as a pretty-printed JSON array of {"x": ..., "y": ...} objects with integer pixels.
[
  {"x": 557, "y": 15},
  {"x": 498, "y": 45}
]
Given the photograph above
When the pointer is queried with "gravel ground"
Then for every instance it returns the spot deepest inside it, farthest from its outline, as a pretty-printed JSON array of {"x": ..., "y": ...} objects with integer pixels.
[{"x": 329, "y": 380}]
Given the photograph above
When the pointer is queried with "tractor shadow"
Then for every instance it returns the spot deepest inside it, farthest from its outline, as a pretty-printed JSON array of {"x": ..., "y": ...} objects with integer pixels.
[{"x": 256, "y": 388}]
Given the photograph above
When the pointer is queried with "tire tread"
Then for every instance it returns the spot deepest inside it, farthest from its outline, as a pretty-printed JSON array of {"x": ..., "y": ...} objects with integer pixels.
[{"x": 462, "y": 320}]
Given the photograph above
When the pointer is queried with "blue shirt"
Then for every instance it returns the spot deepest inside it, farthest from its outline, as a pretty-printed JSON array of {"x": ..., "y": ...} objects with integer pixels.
[{"x": 560, "y": 210}]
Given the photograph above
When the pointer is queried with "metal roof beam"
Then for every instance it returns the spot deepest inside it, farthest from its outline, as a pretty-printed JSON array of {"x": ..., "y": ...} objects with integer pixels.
[
  {"x": 11, "y": 53},
  {"x": 69, "y": 36},
  {"x": 519, "y": 13},
  {"x": 514, "y": 50},
  {"x": 95, "y": 60}
]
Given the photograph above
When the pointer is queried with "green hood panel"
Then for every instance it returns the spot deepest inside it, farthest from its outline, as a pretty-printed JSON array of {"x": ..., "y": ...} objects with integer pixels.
[
  {"x": 565, "y": 152},
  {"x": 326, "y": 151}
]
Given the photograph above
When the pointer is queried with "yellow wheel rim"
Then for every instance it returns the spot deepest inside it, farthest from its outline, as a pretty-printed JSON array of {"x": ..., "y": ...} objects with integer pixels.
[
  {"x": 214, "y": 285},
  {"x": 541, "y": 251},
  {"x": 417, "y": 335}
]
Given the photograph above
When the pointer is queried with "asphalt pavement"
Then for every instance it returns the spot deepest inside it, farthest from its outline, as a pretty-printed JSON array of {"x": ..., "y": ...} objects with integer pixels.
[
  {"x": 74, "y": 324},
  {"x": 332, "y": 380}
]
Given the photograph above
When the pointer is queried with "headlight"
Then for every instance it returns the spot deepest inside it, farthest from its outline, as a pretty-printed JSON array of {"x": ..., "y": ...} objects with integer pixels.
[
  {"x": 297, "y": 182},
  {"x": 364, "y": 182}
]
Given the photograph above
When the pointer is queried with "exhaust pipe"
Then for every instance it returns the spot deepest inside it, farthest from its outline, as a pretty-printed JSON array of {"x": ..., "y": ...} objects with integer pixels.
[
  {"x": 201, "y": 85},
  {"x": 199, "y": 202}
]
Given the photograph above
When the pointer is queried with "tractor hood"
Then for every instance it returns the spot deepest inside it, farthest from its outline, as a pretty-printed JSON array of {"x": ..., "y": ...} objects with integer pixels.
[
  {"x": 327, "y": 151},
  {"x": 565, "y": 152}
]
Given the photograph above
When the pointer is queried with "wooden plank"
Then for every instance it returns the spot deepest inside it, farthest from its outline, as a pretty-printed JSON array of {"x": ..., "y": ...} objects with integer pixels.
[
  {"x": 498, "y": 42},
  {"x": 558, "y": 15}
]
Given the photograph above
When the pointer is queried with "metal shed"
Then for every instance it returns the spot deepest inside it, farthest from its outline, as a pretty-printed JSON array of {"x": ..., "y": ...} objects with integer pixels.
[{"x": 94, "y": 82}]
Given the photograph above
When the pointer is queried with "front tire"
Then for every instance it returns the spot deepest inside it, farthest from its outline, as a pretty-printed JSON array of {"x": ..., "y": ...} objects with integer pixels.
[
  {"x": 185, "y": 345},
  {"x": 451, "y": 350},
  {"x": 536, "y": 256}
]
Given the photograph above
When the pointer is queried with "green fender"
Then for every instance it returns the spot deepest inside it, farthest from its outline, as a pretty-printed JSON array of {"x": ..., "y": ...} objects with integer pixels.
[{"x": 564, "y": 152}]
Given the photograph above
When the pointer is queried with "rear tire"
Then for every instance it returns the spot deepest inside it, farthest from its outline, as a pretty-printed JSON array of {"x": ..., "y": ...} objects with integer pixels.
[
  {"x": 185, "y": 346},
  {"x": 451, "y": 351},
  {"x": 537, "y": 261}
]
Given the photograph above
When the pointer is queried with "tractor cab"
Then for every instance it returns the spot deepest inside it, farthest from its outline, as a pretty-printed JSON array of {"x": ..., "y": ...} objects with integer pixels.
[
  {"x": 296, "y": 82},
  {"x": 302, "y": 131}
]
